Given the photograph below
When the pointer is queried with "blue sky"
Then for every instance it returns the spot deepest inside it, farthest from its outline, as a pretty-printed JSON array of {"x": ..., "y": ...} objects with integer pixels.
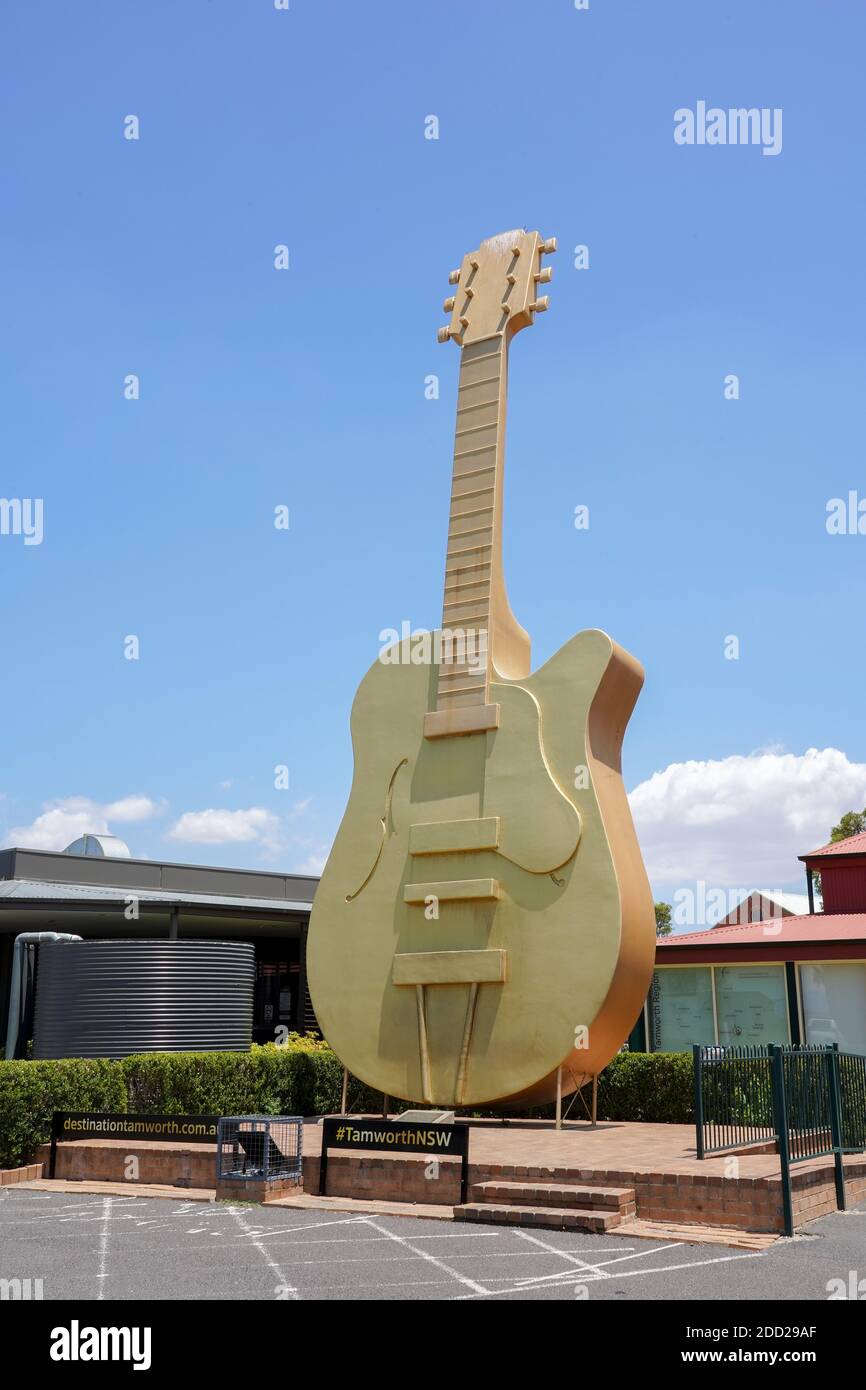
[{"x": 305, "y": 388}]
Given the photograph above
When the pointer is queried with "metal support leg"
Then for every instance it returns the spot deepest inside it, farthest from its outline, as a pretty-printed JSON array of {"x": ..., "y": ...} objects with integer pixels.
[
  {"x": 423, "y": 1044},
  {"x": 559, "y": 1097},
  {"x": 345, "y": 1090}
]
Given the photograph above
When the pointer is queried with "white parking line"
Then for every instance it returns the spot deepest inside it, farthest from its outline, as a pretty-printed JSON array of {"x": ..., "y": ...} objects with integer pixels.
[
  {"x": 310, "y": 1226},
  {"x": 102, "y": 1273},
  {"x": 689, "y": 1264},
  {"x": 642, "y": 1254},
  {"x": 272, "y": 1264},
  {"x": 563, "y": 1254},
  {"x": 431, "y": 1259}
]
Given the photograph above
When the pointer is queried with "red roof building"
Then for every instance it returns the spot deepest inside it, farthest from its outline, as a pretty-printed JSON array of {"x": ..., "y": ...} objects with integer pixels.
[{"x": 792, "y": 978}]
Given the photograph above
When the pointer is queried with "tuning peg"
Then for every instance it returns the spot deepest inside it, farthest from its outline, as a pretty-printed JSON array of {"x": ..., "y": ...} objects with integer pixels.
[
  {"x": 548, "y": 247},
  {"x": 539, "y": 306},
  {"x": 449, "y": 303},
  {"x": 443, "y": 335},
  {"x": 454, "y": 277},
  {"x": 544, "y": 276}
]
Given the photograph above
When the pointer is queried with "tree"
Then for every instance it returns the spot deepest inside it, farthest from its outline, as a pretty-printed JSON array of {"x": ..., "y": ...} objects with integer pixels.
[
  {"x": 663, "y": 919},
  {"x": 852, "y": 823}
]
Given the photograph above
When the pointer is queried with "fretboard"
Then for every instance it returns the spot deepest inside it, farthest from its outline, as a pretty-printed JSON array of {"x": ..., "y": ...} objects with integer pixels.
[{"x": 473, "y": 557}]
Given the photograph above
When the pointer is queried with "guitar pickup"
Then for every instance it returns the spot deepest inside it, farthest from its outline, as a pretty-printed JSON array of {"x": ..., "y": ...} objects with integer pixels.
[
  {"x": 449, "y": 968},
  {"x": 453, "y": 891},
  {"x": 465, "y": 719},
  {"x": 454, "y": 836}
]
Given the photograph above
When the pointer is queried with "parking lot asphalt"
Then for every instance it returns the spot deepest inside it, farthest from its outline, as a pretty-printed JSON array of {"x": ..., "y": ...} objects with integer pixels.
[{"x": 126, "y": 1247}]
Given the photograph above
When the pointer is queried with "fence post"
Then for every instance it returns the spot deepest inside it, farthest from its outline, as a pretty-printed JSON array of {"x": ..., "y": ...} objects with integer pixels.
[
  {"x": 780, "y": 1118},
  {"x": 56, "y": 1121},
  {"x": 699, "y": 1102},
  {"x": 835, "y": 1090}
]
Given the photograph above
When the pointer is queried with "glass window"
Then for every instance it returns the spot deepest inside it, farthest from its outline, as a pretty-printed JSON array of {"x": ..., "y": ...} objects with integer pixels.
[
  {"x": 751, "y": 1004},
  {"x": 681, "y": 1008},
  {"x": 834, "y": 1005}
]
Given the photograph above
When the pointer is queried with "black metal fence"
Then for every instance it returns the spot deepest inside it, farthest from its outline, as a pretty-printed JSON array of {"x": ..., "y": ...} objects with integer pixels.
[
  {"x": 809, "y": 1102},
  {"x": 733, "y": 1098}
]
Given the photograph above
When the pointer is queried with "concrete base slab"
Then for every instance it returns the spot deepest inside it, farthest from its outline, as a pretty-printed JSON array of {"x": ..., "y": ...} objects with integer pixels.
[{"x": 121, "y": 1189}]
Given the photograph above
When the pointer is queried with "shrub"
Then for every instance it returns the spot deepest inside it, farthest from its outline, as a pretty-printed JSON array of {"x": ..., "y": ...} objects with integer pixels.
[
  {"x": 300, "y": 1077},
  {"x": 656, "y": 1087},
  {"x": 31, "y": 1091}
]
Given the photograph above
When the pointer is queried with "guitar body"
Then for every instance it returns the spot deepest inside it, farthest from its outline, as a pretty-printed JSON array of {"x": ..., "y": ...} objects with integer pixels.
[{"x": 554, "y": 923}]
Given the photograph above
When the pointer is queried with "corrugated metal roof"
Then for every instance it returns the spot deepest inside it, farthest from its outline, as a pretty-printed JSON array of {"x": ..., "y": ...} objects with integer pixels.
[
  {"x": 855, "y": 844},
  {"x": 31, "y": 889},
  {"x": 839, "y": 926}
]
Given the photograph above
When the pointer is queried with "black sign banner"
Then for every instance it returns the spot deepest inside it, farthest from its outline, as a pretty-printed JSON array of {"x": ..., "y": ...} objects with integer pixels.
[
  {"x": 100, "y": 1124},
  {"x": 396, "y": 1136}
]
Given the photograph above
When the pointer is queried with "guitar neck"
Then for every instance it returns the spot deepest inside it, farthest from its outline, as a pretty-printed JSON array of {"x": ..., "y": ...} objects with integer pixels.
[
  {"x": 473, "y": 561},
  {"x": 481, "y": 638}
]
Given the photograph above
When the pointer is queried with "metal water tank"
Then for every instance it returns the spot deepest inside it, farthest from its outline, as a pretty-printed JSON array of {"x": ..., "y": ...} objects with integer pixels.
[{"x": 111, "y": 998}]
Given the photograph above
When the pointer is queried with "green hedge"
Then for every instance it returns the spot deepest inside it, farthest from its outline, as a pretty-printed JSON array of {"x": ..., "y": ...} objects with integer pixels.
[
  {"x": 301, "y": 1077},
  {"x": 651, "y": 1086},
  {"x": 31, "y": 1091}
]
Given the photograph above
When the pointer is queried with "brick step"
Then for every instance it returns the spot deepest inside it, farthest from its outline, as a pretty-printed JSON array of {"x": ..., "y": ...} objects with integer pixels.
[
  {"x": 552, "y": 1218},
  {"x": 556, "y": 1194}
]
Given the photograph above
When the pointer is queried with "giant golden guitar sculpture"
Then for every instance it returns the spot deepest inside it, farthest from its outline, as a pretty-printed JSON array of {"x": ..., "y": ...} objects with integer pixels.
[{"x": 484, "y": 918}]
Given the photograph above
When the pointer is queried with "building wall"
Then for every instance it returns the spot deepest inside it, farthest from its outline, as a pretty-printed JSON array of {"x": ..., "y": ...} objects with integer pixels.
[
  {"x": 753, "y": 1004},
  {"x": 843, "y": 886}
]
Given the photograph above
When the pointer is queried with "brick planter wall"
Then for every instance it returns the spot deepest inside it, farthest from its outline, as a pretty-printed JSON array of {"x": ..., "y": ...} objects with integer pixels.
[
  {"x": 745, "y": 1203},
  {"x": 27, "y": 1174}
]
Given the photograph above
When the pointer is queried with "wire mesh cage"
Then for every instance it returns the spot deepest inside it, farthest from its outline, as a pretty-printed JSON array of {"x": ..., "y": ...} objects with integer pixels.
[{"x": 260, "y": 1148}]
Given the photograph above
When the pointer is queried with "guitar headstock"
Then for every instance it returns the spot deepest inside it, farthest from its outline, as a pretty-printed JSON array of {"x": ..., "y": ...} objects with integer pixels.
[{"x": 497, "y": 288}]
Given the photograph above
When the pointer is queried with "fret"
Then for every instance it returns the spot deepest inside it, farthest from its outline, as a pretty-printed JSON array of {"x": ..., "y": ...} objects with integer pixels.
[
  {"x": 469, "y": 492},
  {"x": 479, "y": 449},
  {"x": 467, "y": 584},
  {"x": 467, "y": 617},
  {"x": 482, "y": 357},
  {"x": 475, "y": 429},
  {"x": 473, "y": 511},
  {"x": 473, "y": 472},
  {"x": 469, "y": 530},
  {"x": 459, "y": 569},
  {"x": 468, "y": 549},
  {"x": 483, "y": 381}
]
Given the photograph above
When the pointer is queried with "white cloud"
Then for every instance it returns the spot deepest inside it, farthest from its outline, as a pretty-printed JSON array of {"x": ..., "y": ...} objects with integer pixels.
[
  {"x": 221, "y": 827},
  {"x": 313, "y": 865},
  {"x": 742, "y": 821},
  {"x": 63, "y": 820}
]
